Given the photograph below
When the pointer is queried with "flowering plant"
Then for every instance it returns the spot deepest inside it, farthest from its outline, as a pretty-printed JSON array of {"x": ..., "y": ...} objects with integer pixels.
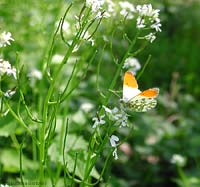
[{"x": 58, "y": 151}]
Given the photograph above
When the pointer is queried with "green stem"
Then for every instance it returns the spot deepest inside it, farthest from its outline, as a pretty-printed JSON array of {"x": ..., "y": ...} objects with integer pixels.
[
  {"x": 113, "y": 83},
  {"x": 21, "y": 122}
]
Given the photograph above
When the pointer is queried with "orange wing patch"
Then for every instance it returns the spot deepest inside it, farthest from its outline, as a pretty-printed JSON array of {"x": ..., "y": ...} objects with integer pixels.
[
  {"x": 129, "y": 80},
  {"x": 151, "y": 93}
]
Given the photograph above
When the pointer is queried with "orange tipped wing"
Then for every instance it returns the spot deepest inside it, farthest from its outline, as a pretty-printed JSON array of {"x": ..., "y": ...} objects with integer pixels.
[
  {"x": 129, "y": 80},
  {"x": 150, "y": 93}
]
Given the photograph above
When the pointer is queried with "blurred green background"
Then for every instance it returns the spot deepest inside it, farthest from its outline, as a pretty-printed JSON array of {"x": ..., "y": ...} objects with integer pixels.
[{"x": 164, "y": 148}]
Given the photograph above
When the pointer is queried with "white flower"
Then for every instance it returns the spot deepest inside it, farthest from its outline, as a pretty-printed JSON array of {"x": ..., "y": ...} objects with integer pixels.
[
  {"x": 140, "y": 23},
  {"x": 148, "y": 17},
  {"x": 35, "y": 74},
  {"x": 133, "y": 64},
  {"x": 57, "y": 58},
  {"x": 109, "y": 8},
  {"x": 95, "y": 5},
  {"x": 113, "y": 141},
  {"x": 66, "y": 28},
  {"x": 119, "y": 116},
  {"x": 113, "y": 114},
  {"x": 87, "y": 107},
  {"x": 4, "y": 185},
  {"x": 178, "y": 159},
  {"x": 98, "y": 121},
  {"x": 150, "y": 37},
  {"x": 6, "y": 68},
  {"x": 5, "y": 39},
  {"x": 9, "y": 93},
  {"x": 127, "y": 9},
  {"x": 86, "y": 36},
  {"x": 156, "y": 26}
]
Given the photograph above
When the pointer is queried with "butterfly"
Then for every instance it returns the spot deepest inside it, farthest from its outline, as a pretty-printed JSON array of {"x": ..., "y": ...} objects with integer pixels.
[{"x": 139, "y": 101}]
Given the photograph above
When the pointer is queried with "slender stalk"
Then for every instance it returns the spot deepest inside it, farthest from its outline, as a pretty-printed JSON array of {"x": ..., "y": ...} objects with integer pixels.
[
  {"x": 20, "y": 163},
  {"x": 114, "y": 80},
  {"x": 21, "y": 122}
]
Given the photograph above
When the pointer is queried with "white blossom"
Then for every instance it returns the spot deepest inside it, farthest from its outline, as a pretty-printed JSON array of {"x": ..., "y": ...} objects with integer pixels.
[
  {"x": 119, "y": 116},
  {"x": 35, "y": 74},
  {"x": 132, "y": 64},
  {"x": 98, "y": 121},
  {"x": 95, "y": 5},
  {"x": 127, "y": 9},
  {"x": 87, "y": 107},
  {"x": 57, "y": 58},
  {"x": 178, "y": 159},
  {"x": 86, "y": 36},
  {"x": 108, "y": 9},
  {"x": 6, "y": 68},
  {"x": 148, "y": 17},
  {"x": 113, "y": 141},
  {"x": 9, "y": 93},
  {"x": 140, "y": 23},
  {"x": 66, "y": 27},
  {"x": 150, "y": 37},
  {"x": 4, "y": 185},
  {"x": 5, "y": 39}
]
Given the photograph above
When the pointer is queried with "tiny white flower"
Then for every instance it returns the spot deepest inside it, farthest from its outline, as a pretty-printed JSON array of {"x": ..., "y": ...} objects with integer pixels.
[
  {"x": 140, "y": 23},
  {"x": 119, "y": 116},
  {"x": 127, "y": 9},
  {"x": 113, "y": 141},
  {"x": 115, "y": 154},
  {"x": 123, "y": 121},
  {"x": 109, "y": 8},
  {"x": 150, "y": 37},
  {"x": 5, "y": 39},
  {"x": 9, "y": 93},
  {"x": 178, "y": 159},
  {"x": 148, "y": 17},
  {"x": 6, "y": 68},
  {"x": 4, "y": 185},
  {"x": 156, "y": 26},
  {"x": 66, "y": 27},
  {"x": 35, "y": 74},
  {"x": 95, "y": 5},
  {"x": 98, "y": 121},
  {"x": 133, "y": 64},
  {"x": 57, "y": 58},
  {"x": 87, "y": 37},
  {"x": 87, "y": 107}
]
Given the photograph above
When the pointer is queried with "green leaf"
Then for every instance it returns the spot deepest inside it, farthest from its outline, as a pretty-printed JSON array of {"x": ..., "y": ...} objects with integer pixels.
[
  {"x": 10, "y": 160},
  {"x": 7, "y": 126}
]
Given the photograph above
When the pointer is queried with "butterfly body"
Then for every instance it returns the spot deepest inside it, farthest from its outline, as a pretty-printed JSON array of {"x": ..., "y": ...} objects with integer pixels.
[{"x": 139, "y": 101}]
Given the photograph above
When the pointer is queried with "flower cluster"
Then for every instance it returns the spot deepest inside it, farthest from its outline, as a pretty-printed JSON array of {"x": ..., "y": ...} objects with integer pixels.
[
  {"x": 127, "y": 9},
  {"x": 5, "y": 39},
  {"x": 148, "y": 15},
  {"x": 178, "y": 159},
  {"x": 148, "y": 18},
  {"x": 6, "y": 68},
  {"x": 95, "y": 5},
  {"x": 101, "y": 8},
  {"x": 132, "y": 64},
  {"x": 118, "y": 117}
]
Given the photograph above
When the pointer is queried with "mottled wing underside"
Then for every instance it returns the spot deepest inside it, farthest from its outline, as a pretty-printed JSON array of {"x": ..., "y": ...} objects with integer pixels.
[
  {"x": 139, "y": 104},
  {"x": 144, "y": 101}
]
